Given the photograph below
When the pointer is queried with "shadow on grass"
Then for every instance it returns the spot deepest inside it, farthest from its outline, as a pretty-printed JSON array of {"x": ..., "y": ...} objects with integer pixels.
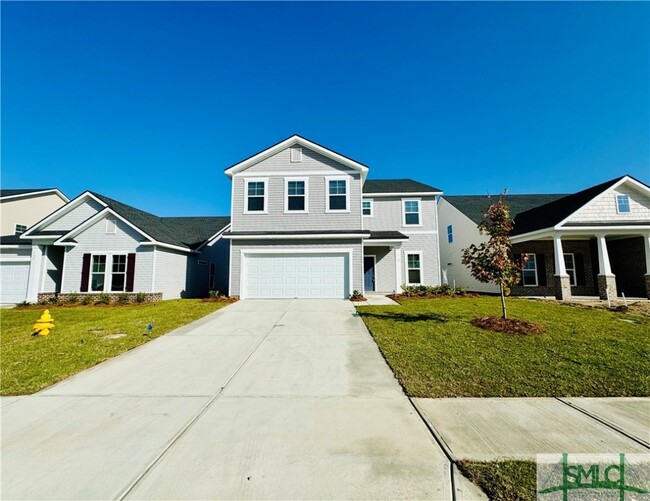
[{"x": 405, "y": 317}]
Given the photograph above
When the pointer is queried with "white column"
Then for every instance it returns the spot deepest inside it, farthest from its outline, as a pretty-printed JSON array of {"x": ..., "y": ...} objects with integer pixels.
[
  {"x": 646, "y": 241},
  {"x": 35, "y": 266},
  {"x": 398, "y": 268},
  {"x": 603, "y": 256},
  {"x": 560, "y": 268}
]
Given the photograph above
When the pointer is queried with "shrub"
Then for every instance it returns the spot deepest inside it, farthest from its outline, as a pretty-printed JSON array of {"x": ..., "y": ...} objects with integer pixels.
[
  {"x": 356, "y": 294},
  {"x": 86, "y": 299},
  {"x": 431, "y": 290},
  {"x": 24, "y": 303},
  {"x": 123, "y": 298},
  {"x": 102, "y": 298},
  {"x": 53, "y": 299},
  {"x": 214, "y": 294},
  {"x": 72, "y": 298},
  {"x": 140, "y": 297}
]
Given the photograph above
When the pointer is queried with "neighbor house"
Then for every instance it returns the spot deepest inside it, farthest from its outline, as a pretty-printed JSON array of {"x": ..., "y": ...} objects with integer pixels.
[
  {"x": 306, "y": 223},
  {"x": 592, "y": 243},
  {"x": 95, "y": 244},
  {"x": 19, "y": 209}
]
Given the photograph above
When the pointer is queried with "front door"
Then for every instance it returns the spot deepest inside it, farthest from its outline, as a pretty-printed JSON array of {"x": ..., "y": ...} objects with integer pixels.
[{"x": 369, "y": 273}]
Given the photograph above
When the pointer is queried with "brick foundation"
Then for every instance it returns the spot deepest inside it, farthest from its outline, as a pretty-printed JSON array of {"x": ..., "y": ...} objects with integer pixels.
[
  {"x": 607, "y": 284},
  {"x": 562, "y": 285},
  {"x": 647, "y": 286},
  {"x": 149, "y": 297}
]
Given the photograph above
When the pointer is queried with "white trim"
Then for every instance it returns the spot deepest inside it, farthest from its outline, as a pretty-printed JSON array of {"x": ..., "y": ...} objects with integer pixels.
[
  {"x": 372, "y": 208},
  {"x": 536, "y": 284},
  {"x": 398, "y": 270},
  {"x": 291, "y": 250},
  {"x": 46, "y": 258},
  {"x": 215, "y": 238},
  {"x": 34, "y": 273},
  {"x": 32, "y": 193},
  {"x": 94, "y": 219},
  {"x": 16, "y": 259},
  {"x": 386, "y": 241},
  {"x": 65, "y": 252},
  {"x": 284, "y": 173},
  {"x": 286, "y": 195},
  {"x": 401, "y": 195},
  {"x": 45, "y": 237},
  {"x": 296, "y": 140},
  {"x": 327, "y": 194},
  {"x": 335, "y": 236},
  {"x": 153, "y": 270},
  {"x": 16, "y": 246},
  {"x": 419, "y": 201},
  {"x": 407, "y": 232},
  {"x": 169, "y": 246},
  {"x": 374, "y": 273},
  {"x": 406, "y": 256},
  {"x": 264, "y": 180}
]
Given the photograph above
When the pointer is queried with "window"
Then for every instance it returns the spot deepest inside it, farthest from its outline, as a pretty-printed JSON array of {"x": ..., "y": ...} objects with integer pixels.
[
  {"x": 529, "y": 273},
  {"x": 118, "y": 273},
  {"x": 213, "y": 274},
  {"x": 622, "y": 204},
  {"x": 296, "y": 154},
  {"x": 98, "y": 273},
  {"x": 255, "y": 199},
  {"x": 411, "y": 213},
  {"x": 337, "y": 199},
  {"x": 570, "y": 265},
  {"x": 296, "y": 190},
  {"x": 110, "y": 226},
  {"x": 450, "y": 234},
  {"x": 19, "y": 229},
  {"x": 366, "y": 207},
  {"x": 414, "y": 268}
]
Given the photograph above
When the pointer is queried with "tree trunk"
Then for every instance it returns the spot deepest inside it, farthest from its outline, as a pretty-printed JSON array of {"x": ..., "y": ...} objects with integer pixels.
[{"x": 503, "y": 302}]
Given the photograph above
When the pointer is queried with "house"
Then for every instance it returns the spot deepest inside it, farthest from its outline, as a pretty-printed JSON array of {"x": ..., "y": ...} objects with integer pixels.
[
  {"x": 19, "y": 209},
  {"x": 95, "y": 244},
  {"x": 306, "y": 223},
  {"x": 592, "y": 243}
]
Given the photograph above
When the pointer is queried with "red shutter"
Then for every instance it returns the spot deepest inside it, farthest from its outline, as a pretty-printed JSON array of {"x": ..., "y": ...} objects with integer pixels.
[
  {"x": 130, "y": 272},
  {"x": 85, "y": 273}
]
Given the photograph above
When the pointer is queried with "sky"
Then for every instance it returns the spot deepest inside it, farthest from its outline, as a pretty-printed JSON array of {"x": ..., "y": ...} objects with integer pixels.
[{"x": 149, "y": 102}]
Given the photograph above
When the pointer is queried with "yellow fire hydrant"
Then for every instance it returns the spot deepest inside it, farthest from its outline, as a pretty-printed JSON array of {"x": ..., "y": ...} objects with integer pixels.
[{"x": 43, "y": 325}]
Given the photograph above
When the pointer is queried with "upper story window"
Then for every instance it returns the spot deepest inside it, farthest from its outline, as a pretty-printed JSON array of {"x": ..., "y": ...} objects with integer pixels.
[
  {"x": 337, "y": 195},
  {"x": 19, "y": 229},
  {"x": 366, "y": 207},
  {"x": 622, "y": 204},
  {"x": 255, "y": 195},
  {"x": 296, "y": 195},
  {"x": 412, "y": 213},
  {"x": 296, "y": 154},
  {"x": 110, "y": 226},
  {"x": 450, "y": 234}
]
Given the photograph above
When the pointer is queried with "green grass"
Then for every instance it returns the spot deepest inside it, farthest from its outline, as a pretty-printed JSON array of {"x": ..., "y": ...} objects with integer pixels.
[
  {"x": 78, "y": 340},
  {"x": 503, "y": 480},
  {"x": 435, "y": 352}
]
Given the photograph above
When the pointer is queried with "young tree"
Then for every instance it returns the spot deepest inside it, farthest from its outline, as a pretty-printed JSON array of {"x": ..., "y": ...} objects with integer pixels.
[{"x": 493, "y": 261}]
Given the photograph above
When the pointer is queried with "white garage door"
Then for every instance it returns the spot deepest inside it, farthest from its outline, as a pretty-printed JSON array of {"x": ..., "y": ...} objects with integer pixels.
[
  {"x": 296, "y": 275},
  {"x": 13, "y": 282}
]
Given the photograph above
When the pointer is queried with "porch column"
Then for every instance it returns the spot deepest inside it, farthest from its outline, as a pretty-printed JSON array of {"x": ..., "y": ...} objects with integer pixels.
[
  {"x": 606, "y": 279},
  {"x": 35, "y": 265},
  {"x": 646, "y": 241},
  {"x": 561, "y": 279},
  {"x": 398, "y": 269}
]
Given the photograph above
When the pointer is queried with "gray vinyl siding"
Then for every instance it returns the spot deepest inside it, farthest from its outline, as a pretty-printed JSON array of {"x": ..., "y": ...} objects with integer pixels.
[
  {"x": 173, "y": 274},
  {"x": 94, "y": 240},
  {"x": 428, "y": 244},
  {"x": 261, "y": 245},
  {"x": 387, "y": 214},
  {"x": 276, "y": 218},
  {"x": 384, "y": 267},
  {"x": 76, "y": 216}
]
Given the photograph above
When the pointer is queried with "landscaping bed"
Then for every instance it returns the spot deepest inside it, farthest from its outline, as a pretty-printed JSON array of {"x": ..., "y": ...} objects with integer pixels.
[
  {"x": 435, "y": 351},
  {"x": 82, "y": 336}
]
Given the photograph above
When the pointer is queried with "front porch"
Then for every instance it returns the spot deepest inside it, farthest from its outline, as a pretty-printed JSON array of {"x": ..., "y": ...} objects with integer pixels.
[{"x": 606, "y": 265}]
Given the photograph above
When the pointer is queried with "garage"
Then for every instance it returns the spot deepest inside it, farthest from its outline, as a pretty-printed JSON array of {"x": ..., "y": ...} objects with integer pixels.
[
  {"x": 14, "y": 277},
  {"x": 296, "y": 275}
]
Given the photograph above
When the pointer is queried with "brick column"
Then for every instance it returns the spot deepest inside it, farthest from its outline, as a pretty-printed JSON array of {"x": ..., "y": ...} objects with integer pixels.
[
  {"x": 561, "y": 280},
  {"x": 606, "y": 279}
]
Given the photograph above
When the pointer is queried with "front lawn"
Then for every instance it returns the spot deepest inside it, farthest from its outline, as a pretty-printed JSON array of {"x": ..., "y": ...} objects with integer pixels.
[
  {"x": 503, "y": 480},
  {"x": 435, "y": 352},
  {"x": 82, "y": 337}
]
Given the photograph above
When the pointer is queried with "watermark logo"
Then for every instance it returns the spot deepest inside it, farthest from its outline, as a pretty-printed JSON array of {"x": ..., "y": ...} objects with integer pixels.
[{"x": 622, "y": 477}]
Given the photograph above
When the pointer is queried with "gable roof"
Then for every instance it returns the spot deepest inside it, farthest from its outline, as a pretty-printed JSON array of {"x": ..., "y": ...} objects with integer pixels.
[
  {"x": 19, "y": 192},
  {"x": 475, "y": 206},
  {"x": 385, "y": 186},
  {"x": 292, "y": 141}
]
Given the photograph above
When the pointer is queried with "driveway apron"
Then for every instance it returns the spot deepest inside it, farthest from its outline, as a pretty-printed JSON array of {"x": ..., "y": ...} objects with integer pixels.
[{"x": 264, "y": 399}]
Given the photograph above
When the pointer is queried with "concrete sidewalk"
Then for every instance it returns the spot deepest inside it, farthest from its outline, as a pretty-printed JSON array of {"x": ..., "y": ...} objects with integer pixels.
[{"x": 485, "y": 429}]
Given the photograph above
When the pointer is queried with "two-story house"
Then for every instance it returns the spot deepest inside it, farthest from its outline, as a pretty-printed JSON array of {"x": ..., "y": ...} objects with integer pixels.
[
  {"x": 20, "y": 209},
  {"x": 307, "y": 224}
]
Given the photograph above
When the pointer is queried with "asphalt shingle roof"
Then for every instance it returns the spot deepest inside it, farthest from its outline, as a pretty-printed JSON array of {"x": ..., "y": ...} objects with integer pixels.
[
  {"x": 396, "y": 186},
  {"x": 14, "y": 192},
  {"x": 189, "y": 232}
]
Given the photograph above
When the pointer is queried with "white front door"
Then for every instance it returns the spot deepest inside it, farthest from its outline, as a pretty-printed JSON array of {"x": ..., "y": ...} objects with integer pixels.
[
  {"x": 294, "y": 275},
  {"x": 13, "y": 282}
]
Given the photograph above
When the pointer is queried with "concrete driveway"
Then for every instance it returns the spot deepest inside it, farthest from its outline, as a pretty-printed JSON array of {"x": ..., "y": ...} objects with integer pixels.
[{"x": 264, "y": 399}]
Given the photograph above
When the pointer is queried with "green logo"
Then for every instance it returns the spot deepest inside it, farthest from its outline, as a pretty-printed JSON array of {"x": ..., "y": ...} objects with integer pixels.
[{"x": 602, "y": 476}]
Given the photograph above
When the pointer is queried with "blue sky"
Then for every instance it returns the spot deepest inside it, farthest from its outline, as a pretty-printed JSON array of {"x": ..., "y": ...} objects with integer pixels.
[{"x": 149, "y": 102}]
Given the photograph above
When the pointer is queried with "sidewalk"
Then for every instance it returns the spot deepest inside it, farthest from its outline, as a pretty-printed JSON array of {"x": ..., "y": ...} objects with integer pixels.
[{"x": 486, "y": 429}]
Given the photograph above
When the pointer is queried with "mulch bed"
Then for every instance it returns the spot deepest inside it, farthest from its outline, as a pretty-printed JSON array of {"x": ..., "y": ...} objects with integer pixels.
[
  {"x": 398, "y": 297},
  {"x": 358, "y": 299},
  {"x": 507, "y": 325},
  {"x": 219, "y": 300}
]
